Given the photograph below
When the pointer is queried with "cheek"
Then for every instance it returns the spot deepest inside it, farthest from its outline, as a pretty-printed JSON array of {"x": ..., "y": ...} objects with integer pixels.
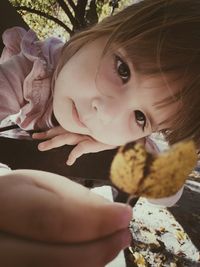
[
  {"x": 62, "y": 108},
  {"x": 107, "y": 73},
  {"x": 113, "y": 135},
  {"x": 113, "y": 140},
  {"x": 107, "y": 80}
]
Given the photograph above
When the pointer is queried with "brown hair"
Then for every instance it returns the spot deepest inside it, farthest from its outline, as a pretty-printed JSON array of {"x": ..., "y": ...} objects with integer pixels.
[{"x": 159, "y": 36}]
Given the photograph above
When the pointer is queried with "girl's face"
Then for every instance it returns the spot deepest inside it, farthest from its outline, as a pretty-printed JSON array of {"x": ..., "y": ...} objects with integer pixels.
[{"x": 107, "y": 99}]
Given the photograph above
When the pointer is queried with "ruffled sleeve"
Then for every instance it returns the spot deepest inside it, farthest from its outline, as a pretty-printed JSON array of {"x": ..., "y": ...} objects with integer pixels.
[{"x": 27, "y": 66}]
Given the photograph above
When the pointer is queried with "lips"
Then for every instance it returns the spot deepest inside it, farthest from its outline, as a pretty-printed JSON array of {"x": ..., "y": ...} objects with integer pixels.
[{"x": 76, "y": 117}]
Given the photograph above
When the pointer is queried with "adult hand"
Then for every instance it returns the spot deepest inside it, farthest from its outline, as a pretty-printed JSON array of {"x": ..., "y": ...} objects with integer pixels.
[
  {"x": 49, "y": 219},
  {"x": 16, "y": 251},
  {"x": 47, "y": 206},
  {"x": 58, "y": 136}
]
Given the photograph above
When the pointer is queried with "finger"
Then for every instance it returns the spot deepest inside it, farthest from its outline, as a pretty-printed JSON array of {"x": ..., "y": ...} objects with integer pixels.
[
  {"x": 84, "y": 147},
  {"x": 41, "y": 135},
  {"x": 44, "y": 206},
  {"x": 15, "y": 252},
  {"x": 50, "y": 133},
  {"x": 61, "y": 140}
]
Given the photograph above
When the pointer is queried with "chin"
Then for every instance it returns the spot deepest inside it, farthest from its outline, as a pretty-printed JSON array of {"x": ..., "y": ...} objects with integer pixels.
[{"x": 78, "y": 130}]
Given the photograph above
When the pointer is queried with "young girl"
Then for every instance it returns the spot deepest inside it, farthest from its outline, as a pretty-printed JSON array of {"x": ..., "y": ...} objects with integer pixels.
[{"x": 133, "y": 74}]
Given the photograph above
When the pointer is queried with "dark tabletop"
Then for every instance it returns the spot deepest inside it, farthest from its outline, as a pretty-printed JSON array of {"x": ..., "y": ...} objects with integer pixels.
[{"x": 24, "y": 154}]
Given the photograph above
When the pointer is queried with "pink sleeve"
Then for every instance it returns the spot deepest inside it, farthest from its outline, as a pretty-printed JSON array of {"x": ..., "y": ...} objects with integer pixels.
[
  {"x": 11, "y": 39},
  {"x": 26, "y": 69},
  {"x": 13, "y": 69}
]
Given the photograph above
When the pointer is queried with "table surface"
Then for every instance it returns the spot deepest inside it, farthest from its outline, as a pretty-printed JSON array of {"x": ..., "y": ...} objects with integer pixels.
[{"x": 24, "y": 154}]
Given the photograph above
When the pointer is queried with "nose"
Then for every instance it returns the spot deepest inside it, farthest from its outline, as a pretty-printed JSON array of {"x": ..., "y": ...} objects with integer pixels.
[{"x": 106, "y": 109}]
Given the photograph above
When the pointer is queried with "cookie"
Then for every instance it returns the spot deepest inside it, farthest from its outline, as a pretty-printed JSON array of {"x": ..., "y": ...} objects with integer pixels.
[{"x": 139, "y": 173}]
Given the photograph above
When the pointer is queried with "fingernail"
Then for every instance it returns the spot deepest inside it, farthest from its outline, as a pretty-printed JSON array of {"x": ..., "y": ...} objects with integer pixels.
[
  {"x": 69, "y": 163},
  {"x": 41, "y": 147}
]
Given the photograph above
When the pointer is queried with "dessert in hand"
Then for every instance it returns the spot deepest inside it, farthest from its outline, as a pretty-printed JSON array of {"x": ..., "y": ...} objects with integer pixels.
[{"x": 139, "y": 173}]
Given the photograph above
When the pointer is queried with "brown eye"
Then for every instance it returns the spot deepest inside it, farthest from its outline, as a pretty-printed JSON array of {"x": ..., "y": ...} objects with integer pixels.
[
  {"x": 140, "y": 118},
  {"x": 122, "y": 69}
]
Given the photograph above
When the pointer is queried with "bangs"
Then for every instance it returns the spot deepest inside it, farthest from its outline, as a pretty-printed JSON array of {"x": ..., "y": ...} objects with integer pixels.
[
  {"x": 170, "y": 122},
  {"x": 153, "y": 35},
  {"x": 186, "y": 124}
]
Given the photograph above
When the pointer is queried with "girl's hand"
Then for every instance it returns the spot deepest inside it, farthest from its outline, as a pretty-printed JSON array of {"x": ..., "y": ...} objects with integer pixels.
[{"x": 58, "y": 137}]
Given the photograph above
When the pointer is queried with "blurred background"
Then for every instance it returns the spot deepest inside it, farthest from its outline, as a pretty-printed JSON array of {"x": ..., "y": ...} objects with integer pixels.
[{"x": 62, "y": 18}]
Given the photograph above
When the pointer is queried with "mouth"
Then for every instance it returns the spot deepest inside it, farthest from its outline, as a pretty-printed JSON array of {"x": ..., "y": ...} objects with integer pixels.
[{"x": 76, "y": 117}]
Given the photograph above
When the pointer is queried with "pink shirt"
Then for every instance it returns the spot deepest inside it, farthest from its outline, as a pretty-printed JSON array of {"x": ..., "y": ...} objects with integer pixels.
[{"x": 26, "y": 68}]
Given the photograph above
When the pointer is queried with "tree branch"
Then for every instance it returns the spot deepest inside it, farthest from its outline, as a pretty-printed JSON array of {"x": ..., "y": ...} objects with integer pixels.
[
  {"x": 80, "y": 12},
  {"x": 91, "y": 13},
  {"x": 73, "y": 6},
  {"x": 66, "y": 9},
  {"x": 43, "y": 14}
]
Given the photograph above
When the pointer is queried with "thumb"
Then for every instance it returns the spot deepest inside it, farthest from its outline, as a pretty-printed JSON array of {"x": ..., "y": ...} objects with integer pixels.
[{"x": 104, "y": 220}]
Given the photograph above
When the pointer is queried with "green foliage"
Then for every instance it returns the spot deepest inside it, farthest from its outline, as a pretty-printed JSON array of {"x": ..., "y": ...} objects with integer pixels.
[
  {"x": 42, "y": 24},
  {"x": 106, "y": 9},
  {"x": 61, "y": 18}
]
